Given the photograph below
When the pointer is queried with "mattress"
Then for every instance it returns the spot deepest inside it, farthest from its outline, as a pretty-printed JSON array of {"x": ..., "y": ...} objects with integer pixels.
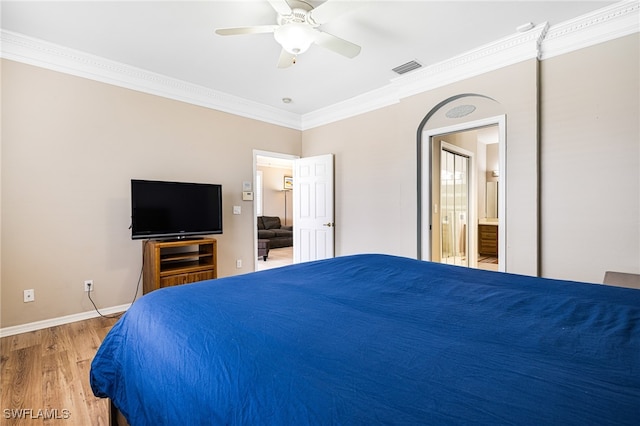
[{"x": 376, "y": 339}]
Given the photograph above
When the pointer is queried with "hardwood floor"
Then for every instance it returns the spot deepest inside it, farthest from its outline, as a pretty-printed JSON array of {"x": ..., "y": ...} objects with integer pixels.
[{"x": 44, "y": 375}]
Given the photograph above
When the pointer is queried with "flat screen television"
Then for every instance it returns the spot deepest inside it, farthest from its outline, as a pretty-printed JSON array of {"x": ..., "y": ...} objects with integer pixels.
[{"x": 167, "y": 210}]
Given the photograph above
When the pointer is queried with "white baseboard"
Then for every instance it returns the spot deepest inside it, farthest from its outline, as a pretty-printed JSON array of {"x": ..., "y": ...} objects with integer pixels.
[{"x": 39, "y": 325}]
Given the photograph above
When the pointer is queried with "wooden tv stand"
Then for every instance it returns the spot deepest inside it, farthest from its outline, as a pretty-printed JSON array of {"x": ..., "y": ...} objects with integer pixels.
[{"x": 169, "y": 263}]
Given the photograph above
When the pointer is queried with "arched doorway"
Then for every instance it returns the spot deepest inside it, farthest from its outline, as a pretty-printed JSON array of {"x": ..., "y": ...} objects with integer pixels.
[{"x": 457, "y": 123}]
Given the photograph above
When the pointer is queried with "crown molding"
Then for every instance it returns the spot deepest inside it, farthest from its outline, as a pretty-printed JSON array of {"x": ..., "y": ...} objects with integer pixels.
[
  {"x": 617, "y": 20},
  {"x": 492, "y": 56},
  {"x": 541, "y": 42},
  {"x": 32, "y": 51},
  {"x": 369, "y": 101},
  {"x": 499, "y": 54}
]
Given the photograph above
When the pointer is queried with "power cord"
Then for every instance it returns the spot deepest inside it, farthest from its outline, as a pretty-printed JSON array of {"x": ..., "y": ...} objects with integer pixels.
[{"x": 134, "y": 296}]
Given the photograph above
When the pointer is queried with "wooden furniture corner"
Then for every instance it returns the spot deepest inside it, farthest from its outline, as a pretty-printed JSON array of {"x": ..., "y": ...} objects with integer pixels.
[{"x": 169, "y": 263}]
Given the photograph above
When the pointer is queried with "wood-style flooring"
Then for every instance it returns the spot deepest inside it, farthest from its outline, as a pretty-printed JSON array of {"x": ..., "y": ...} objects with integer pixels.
[{"x": 44, "y": 376}]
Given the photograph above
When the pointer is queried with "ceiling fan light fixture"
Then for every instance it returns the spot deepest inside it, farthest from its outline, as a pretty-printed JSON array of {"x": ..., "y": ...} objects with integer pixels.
[{"x": 294, "y": 37}]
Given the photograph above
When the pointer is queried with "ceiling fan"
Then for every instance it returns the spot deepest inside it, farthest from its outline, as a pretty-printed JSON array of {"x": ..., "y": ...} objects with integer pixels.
[{"x": 297, "y": 29}]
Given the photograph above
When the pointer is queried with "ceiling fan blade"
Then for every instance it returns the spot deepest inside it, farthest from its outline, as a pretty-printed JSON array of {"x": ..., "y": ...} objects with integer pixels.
[
  {"x": 332, "y": 9},
  {"x": 281, "y": 6},
  {"x": 336, "y": 44},
  {"x": 246, "y": 30},
  {"x": 286, "y": 59}
]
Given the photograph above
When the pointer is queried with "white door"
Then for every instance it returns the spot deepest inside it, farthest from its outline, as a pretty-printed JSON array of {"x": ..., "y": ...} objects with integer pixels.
[{"x": 313, "y": 220}]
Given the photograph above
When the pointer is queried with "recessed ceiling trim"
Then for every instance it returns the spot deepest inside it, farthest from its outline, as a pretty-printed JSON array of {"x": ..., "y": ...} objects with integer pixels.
[
  {"x": 608, "y": 23},
  {"x": 32, "y": 51},
  {"x": 617, "y": 20},
  {"x": 507, "y": 51}
]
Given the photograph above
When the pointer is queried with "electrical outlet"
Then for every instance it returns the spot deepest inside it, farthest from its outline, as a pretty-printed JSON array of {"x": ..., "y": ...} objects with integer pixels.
[
  {"x": 29, "y": 295},
  {"x": 239, "y": 263},
  {"x": 88, "y": 285}
]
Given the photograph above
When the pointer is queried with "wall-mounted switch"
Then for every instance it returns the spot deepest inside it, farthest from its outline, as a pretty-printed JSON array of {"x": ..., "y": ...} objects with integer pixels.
[{"x": 237, "y": 210}]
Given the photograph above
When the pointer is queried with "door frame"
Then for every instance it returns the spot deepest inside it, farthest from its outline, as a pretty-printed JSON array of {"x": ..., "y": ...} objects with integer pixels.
[
  {"x": 425, "y": 201},
  {"x": 256, "y": 153}
]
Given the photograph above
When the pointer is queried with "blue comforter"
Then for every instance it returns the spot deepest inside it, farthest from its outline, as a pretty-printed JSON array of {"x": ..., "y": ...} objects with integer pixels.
[{"x": 376, "y": 339}]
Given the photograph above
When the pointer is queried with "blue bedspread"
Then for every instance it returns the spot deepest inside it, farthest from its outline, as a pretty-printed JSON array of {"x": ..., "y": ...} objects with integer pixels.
[{"x": 376, "y": 339}]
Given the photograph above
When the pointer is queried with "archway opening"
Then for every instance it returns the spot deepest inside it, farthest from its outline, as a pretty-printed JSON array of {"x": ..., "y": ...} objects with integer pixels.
[{"x": 464, "y": 123}]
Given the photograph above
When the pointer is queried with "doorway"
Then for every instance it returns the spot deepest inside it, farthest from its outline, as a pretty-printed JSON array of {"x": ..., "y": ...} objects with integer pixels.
[
  {"x": 309, "y": 192},
  {"x": 273, "y": 198},
  {"x": 449, "y": 231}
]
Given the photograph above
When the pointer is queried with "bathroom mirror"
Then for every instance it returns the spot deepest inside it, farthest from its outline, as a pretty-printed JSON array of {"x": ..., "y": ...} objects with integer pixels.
[{"x": 491, "y": 205}]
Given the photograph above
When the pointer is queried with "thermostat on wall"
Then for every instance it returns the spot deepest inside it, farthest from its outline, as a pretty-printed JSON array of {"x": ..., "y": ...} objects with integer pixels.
[{"x": 247, "y": 195}]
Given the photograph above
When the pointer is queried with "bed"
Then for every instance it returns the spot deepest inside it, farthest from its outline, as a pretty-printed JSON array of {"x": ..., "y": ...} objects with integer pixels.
[{"x": 375, "y": 339}]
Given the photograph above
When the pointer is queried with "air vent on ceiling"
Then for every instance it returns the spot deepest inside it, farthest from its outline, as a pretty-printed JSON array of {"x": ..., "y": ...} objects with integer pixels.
[{"x": 405, "y": 68}]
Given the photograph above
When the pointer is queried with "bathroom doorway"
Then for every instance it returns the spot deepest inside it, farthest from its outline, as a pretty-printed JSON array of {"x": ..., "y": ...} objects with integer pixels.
[{"x": 465, "y": 166}]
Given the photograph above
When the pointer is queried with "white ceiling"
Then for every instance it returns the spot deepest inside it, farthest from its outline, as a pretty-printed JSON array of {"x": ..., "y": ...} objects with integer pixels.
[{"x": 176, "y": 39}]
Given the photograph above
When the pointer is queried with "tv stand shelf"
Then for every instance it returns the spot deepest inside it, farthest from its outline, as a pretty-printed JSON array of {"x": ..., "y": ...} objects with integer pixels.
[{"x": 169, "y": 263}]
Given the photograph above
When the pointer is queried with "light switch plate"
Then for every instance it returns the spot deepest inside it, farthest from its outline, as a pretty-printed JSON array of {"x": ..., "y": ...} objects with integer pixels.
[{"x": 237, "y": 210}]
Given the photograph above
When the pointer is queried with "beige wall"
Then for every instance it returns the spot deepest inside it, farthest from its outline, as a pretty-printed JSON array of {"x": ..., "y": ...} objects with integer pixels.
[
  {"x": 376, "y": 165},
  {"x": 375, "y": 180},
  {"x": 589, "y": 172},
  {"x": 69, "y": 149},
  {"x": 590, "y": 153},
  {"x": 274, "y": 196},
  {"x": 492, "y": 162}
]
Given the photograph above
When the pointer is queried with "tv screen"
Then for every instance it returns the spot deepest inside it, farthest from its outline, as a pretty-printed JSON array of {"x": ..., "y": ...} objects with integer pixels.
[{"x": 174, "y": 209}]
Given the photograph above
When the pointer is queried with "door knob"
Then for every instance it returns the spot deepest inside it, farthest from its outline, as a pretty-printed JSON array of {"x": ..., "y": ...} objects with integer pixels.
[{"x": 328, "y": 224}]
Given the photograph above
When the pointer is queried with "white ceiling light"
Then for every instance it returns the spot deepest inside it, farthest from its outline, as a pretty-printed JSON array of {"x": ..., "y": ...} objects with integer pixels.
[
  {"x": 297, "y": 27},
  {"x": 295, "y": 37}
]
